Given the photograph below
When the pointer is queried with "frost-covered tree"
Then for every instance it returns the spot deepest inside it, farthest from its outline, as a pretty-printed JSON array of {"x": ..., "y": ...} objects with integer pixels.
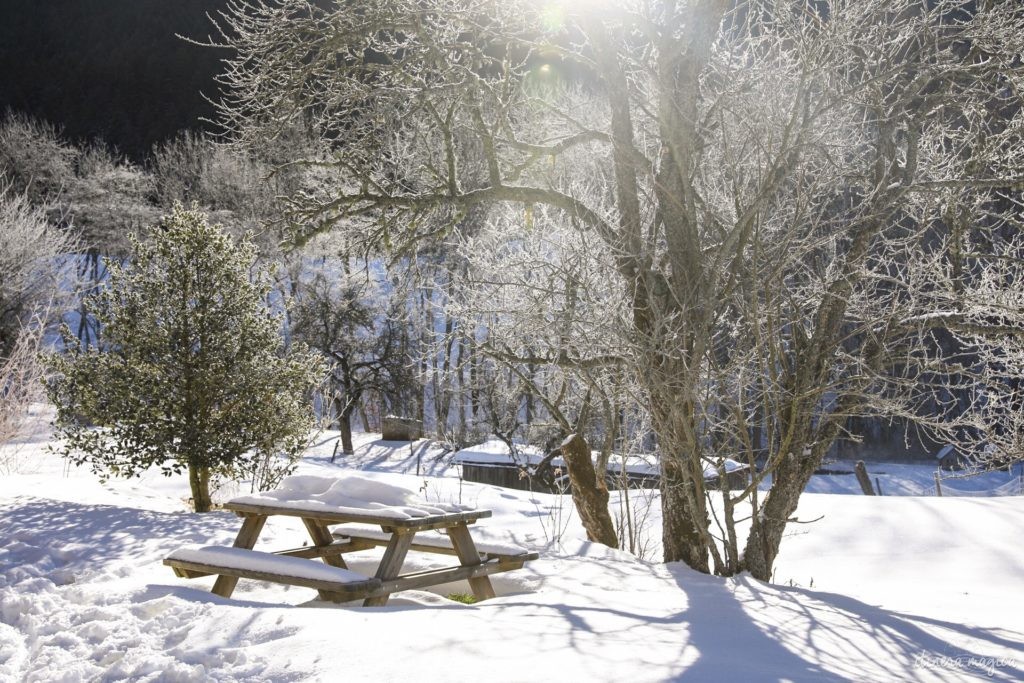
[
  {"x": 232, "y": 186},
  {"x": 345, "y": 317},
  {"x": 34, "y": 158},
  {"x": 34, "y": 254},
  {"x": 797, "y": 200},
  {"x": 109, "y": 199},
  {"x": 546, "y": 314},
  {"x": 189, "y": 373}
]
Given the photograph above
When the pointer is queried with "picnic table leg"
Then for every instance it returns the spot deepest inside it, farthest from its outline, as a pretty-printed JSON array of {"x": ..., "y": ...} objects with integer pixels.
[
  {"x": 247, "y": 535},
  {"x": 391, "y": 563},
  {"x": 321, "y": 535},
  {"x": 465, "y": 548}
]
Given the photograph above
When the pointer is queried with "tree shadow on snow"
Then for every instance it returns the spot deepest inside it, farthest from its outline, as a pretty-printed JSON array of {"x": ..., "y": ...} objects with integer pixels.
[
  {"x": 742, "y": 629},
  {"x": 808, "y": 635},
  {"x": 91, "y": 536},
  {"x": 71, "y": 542},
  {"x": 902, "y": 645}
]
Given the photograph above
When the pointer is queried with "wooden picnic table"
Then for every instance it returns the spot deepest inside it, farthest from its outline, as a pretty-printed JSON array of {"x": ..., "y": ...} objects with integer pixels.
[{"x": 335, "y": 582}]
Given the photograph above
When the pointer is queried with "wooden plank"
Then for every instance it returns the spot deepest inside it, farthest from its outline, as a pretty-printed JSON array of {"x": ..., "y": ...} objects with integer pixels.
[
  {"x": 332, "y": 596},
  {"x": 189, "y": 574},
  {"x": 355, "y": 544},
  {"x": 468, "y": 556},
  {"x": 322, "y": 537},
  {"x": 335, "y": 548},
  {"x": 391, "y": 564},
  {"x": 252, "y": 525},
  {"x": 355, "y": 589},
  {"x": 437, "y": 540},
  {"x": 371, "y": 589},
  {"x": 339, "y": 517},
  {"x": 435, "y": 549},
  {"x": 437, "y": 577}
]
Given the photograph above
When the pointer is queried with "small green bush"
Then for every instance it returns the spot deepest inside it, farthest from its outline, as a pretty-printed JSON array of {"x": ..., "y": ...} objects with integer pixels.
[
  {"x": 464, "y": 598},
  {"x": 189, "y": 373}
]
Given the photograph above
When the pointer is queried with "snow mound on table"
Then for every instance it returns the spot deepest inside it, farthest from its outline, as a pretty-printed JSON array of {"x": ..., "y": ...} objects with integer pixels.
[{"x": 350, "y": 494}]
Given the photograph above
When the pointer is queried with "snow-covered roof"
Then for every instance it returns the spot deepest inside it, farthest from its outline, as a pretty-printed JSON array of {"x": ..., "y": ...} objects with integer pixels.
[
  {"x": 729, "y": 465},
  {"x": 495, "y": 453}
]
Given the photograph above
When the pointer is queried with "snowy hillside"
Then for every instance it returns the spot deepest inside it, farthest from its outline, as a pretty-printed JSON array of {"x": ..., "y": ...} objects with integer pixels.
[{"x": 878, "y": 589}]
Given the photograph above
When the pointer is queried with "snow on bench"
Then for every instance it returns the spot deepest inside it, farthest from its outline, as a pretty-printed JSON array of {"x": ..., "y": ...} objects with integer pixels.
[
  {"x": 254, "y": 564},
  {"x": 434, "y": 542}
]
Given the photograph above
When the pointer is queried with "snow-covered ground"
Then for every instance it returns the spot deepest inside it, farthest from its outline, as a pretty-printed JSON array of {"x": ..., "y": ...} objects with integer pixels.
[{"x": 878, "y": 589}]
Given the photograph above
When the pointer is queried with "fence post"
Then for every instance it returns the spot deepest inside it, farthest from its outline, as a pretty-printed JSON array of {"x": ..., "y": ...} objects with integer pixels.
[{"x": 863, "y": 479}]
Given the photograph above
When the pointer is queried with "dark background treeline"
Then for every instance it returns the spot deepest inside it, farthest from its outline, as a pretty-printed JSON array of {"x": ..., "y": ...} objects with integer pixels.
[{"x": 112, "y": 69}]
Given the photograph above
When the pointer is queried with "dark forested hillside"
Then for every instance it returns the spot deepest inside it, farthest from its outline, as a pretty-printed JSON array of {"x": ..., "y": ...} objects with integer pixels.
[{"x": 108, "y": 68}]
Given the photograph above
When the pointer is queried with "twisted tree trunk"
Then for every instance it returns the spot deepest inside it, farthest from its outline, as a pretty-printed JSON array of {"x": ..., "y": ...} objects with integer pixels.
[{"x": 589, "y": 492}]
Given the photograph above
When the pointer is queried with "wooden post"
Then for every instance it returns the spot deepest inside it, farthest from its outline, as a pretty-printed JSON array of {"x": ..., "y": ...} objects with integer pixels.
[
  {"x": 252, "y": 525},
  {"x": 938, "y": 486},
  {"x": 391, "y": 564},
  {"x": 465, "y": 548},
  {"x": 863, "y": 479},
  {"x": 321, "y": 536}
]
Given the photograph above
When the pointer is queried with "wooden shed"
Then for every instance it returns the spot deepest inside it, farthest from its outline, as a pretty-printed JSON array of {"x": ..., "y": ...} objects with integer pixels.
[
  {"x": 394, "y": 428},
  {"x": 507, "y": 475}
]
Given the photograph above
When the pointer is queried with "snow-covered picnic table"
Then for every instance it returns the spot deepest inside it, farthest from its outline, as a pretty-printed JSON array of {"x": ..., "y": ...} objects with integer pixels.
[{"x": 364, "y": 506}]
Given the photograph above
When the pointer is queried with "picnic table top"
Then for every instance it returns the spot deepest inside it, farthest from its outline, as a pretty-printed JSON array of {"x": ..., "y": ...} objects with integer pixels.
[
  {"x": 339, "y": 515},
  {"x": 354, "y": 498}
]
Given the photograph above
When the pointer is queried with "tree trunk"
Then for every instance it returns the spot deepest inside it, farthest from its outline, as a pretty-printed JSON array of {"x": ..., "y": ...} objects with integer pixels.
[
  {"x": 199, "y": 481},
  {"x": 685, "y": 519},
  {"x": 788, "y": 481},
  {"x": 344, "y": 413},
  {"x": 792, "y": 475},
  {"x": 474, "y": 381},
  {"x": 681, "y": 539},
  {"x": 589, "y": 493},
  {"x": 345, "y": 427}
]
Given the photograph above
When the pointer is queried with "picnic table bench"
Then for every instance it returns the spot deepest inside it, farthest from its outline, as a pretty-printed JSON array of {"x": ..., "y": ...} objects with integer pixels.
[
  {"x": 332, "y": 583},
  {"x": 398, "y": 528}
]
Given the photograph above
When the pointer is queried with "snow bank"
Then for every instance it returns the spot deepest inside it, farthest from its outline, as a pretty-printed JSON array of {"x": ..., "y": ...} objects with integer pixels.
[
  {"x": 879, "y": 589},
  {"x": 78, "y": 601}
]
